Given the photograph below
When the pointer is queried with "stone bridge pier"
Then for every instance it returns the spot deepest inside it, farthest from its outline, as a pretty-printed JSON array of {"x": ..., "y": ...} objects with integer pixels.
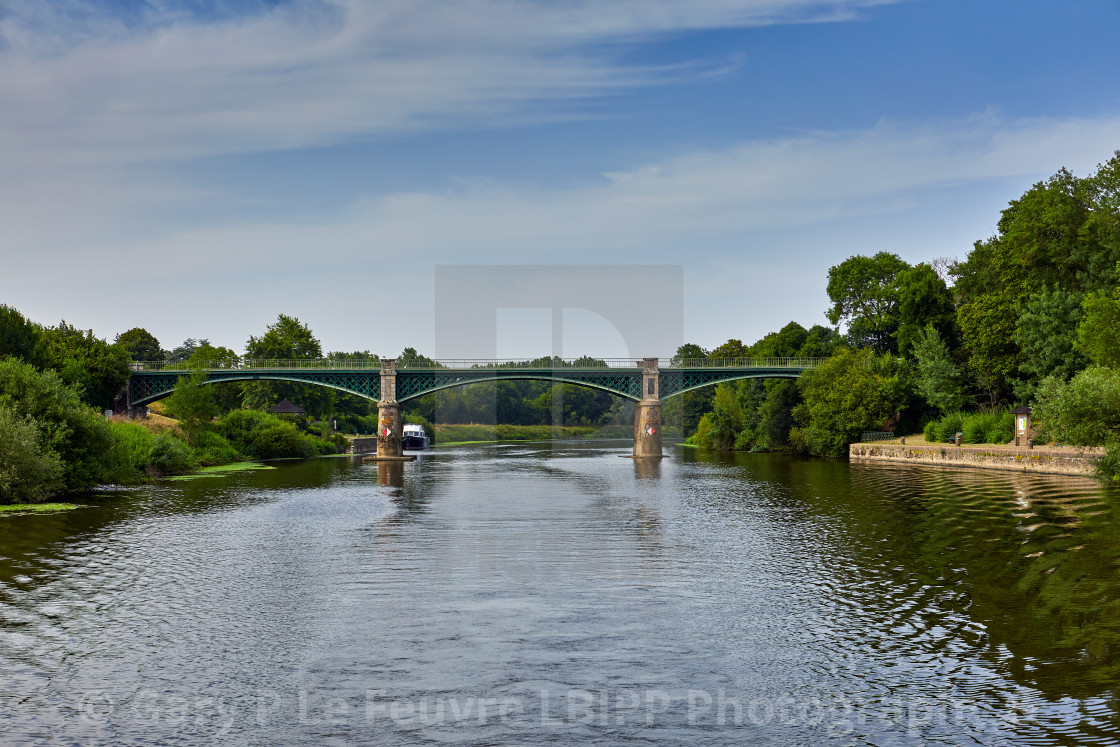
[
  {"x": 389, "y": 412},
  {"x": 647, "y": 415}
]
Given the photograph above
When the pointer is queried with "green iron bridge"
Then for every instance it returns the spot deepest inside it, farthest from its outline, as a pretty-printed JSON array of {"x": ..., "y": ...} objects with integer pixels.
[
  {"x": 151, "y": 381},
  {"x": 390, "y": 382}
]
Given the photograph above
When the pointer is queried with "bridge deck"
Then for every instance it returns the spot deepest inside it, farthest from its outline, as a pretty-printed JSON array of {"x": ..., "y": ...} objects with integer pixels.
[{"x": 150, "y": 381}]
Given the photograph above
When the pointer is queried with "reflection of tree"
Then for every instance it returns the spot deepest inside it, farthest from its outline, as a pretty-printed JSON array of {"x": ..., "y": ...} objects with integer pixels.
[{"x": 1033, "y": 559}]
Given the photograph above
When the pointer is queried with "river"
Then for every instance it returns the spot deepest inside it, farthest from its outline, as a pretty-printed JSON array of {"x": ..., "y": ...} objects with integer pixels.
[{"x": 559, "y": 593}]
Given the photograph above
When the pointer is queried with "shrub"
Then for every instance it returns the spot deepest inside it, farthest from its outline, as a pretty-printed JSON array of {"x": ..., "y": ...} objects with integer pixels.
[
  {"x": 212, "y": 449},
  {"x": 1085, "y": 411},
  {"x": 931, "y": 431},
  {"x": 265, "y": 436},
  {"x": 29, "y": 473},
  {"x": 78, "y": 435},
  {"x": 131, "y": 451},
  {"x": 170, "y": 456},
  {"x": 949, "y": 426},
  {"x": 1003, "y": 430},
  {"x": 975, "y": 427},
  {"x": 1108, "y": 466}
]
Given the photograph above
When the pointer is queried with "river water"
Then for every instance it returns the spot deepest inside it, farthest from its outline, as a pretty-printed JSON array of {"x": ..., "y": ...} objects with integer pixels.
[{"x": 558, "y": 593}]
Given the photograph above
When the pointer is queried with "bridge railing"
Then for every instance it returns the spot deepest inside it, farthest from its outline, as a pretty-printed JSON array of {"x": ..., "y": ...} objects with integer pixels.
[
  {"x": 374, "y": 364},
  {"x": 741, "y": 363}
]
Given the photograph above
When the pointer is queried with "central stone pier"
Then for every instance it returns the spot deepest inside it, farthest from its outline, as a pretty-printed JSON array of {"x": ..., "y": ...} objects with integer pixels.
[
  {"x": 389, "y": 412},
  {"x": 647, "y": 415}
]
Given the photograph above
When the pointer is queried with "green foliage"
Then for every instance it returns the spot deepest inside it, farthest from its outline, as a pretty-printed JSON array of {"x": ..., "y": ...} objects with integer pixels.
[
  {"x": 851, "y": 392},
  {"x": 1108, "y": 466},
  {"x": 18, "y": 336},
  {"x": 923, "y": 300},
  {"x": 730, "y": 349},
  {"x": 170, "y": 456},
  {"x": 776, "y": 413},
  {"x": 1046, "y": 334},
  {"x": 1060, "y": 235},
  {"x": 938, "y": 378},
  {"x": 184, "y": 352},
  {"x": 30, "y": 472},
  {"x": 193, "y": 403},
  {"x": 975, "y": 427},
  {"x": 212, "y": 449},
  {"x": 287, "y": 339},
  {"x": 1084, "y": 411},
  {"x": 689, "y": 351},
  {"x": 140, "y": 344},
  {"x": 68, "y": 427},
  {"x": 864, "y": 295},
  {"x": 1098, "y": 334},
  {"x": 265, "y": 436},
  {"x": 92, "y": 366}
]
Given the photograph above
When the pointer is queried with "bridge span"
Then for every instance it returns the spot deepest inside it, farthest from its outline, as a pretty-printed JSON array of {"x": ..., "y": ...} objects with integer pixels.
[{"x": 390, "y": 382}]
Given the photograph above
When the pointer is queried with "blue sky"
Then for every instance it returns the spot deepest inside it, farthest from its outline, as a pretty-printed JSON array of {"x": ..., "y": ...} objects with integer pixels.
[{"x": 196, "y": 168}]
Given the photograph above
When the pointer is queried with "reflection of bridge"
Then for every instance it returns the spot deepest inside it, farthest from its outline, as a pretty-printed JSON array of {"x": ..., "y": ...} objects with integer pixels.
[{"x": 390, "y": 382}]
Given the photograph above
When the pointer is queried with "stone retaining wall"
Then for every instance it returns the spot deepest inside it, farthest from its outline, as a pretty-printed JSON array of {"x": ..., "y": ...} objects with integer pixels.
[
  {"x": 1049, "y": 461},
  {"x": 363, "y": 445}
]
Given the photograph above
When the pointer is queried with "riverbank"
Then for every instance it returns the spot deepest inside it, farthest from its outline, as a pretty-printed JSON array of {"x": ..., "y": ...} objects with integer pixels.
[{"x": 1045, "y": 460}]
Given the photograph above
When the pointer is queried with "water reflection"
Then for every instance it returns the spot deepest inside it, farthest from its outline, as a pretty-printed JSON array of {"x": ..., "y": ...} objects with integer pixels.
[{"x": 677, "y": 599}]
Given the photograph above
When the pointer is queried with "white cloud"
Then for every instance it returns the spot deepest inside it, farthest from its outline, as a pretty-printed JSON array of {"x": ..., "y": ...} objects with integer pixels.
[
  {"x": 82, "y": 88},
  {"x": 764, "y": 209}
]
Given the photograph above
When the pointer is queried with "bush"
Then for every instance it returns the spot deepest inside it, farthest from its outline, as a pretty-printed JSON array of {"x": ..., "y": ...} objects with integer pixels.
[
  {"x": 1085, "y": 411},
  {"x": 949, "y": 426},
  {"x": 265, "y": 436},
  {"x": 29, "y": 473},
  {"x": 131, "y": 451},
  {"x": 212, "y": 449},
  {"x": 1108, "y": 466},
  {"x": 975, "y": 427},
  {"x": 1003, "y": 430},
  {"x": 931, "y": 431},
  {"x": 170, "y": 456},
  {"x": 79, "y": 436}
]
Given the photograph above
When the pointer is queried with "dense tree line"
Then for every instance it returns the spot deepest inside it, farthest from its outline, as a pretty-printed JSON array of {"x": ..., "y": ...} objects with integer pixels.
[{"x": 1030, "y": 316}]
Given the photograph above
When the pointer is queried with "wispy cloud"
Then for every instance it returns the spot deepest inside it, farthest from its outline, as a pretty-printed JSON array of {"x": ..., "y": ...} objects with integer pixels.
[{"x": 81, "y": 86}]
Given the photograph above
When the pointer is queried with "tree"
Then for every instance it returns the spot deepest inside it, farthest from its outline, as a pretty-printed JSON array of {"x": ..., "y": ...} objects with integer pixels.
[
  {"x": 689, "y": 351},
  {"x": 939, "y": 380},
  {"x": 1084, "y": 411},
  {"x": 67, "y": 427},
  {"x": 30, "y": 471},
  {"x": 785, "y": 343},
  {"x": 853, "y": 391},
  {"x": 1046, "y": 334},
  {"x": 1063, "y": 234},
  {"x": 923, "y": 299},
  {"x": 18, "y": 335},
  {"x": 865, "y": 297},
  {"x": 140, "y": 345},
  {"x": 1098, "y": 333},
  {"x": 193, "y": 403},
  {"x": 689, "y": 407},
  {"x": 184, "y": 352},
  {"x": 95, "y": 368},
  {"x": 730, "y": 349},
  {"x": 775, "y": 415},
  {"x": 287, "y": 339}
]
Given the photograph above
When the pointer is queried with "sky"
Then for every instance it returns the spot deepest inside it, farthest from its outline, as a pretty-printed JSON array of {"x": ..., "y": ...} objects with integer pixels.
[{"x": 197, "y": 167}]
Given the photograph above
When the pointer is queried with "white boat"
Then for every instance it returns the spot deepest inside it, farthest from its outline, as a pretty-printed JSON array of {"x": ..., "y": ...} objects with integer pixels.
[{"x": 414, "y": 438}]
